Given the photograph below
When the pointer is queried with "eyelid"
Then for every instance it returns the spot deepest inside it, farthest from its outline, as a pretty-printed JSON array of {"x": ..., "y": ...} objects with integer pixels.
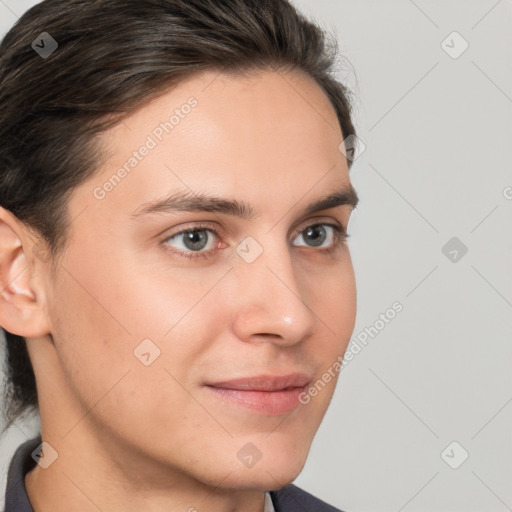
[
  {"x": 314, "y": 221},
  {"x": 194, "y": 225}
]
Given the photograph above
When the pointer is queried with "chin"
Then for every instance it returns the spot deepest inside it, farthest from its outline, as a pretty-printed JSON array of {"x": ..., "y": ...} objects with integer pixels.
[
  {"x": 265, "y": 478},
  {"x": 275, "y": 469}
]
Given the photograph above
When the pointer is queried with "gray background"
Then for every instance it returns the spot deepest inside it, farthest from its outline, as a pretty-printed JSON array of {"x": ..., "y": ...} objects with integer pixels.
[{"x": 438, "y": 129}]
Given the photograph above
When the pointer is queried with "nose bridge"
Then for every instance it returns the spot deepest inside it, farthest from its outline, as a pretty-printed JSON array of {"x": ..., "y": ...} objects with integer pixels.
[{"x": 271, "y": 299}]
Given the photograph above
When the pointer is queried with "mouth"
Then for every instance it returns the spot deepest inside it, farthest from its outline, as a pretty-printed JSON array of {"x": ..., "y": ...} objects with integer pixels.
[{"x": 264, "y": 394}]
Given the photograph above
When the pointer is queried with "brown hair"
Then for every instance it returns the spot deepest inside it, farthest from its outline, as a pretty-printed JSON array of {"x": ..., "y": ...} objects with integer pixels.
[{"x": 112, "y": 56}]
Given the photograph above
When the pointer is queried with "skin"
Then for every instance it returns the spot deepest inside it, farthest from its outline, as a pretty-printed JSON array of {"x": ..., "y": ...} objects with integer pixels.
[{"x": 132, "y": 437}]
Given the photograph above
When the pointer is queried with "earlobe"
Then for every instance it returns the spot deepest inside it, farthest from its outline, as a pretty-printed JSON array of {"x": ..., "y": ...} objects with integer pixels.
[{"x": 21, "y": 310}]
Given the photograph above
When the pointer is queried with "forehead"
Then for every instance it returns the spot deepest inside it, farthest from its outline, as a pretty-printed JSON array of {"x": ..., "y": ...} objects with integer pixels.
[{"x": 265, "y": 135}]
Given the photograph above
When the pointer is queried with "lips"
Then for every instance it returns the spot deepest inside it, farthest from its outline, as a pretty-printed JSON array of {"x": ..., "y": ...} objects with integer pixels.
[
  {"x": 265, "y": 394},
  {"x": 265, "y": 382}
]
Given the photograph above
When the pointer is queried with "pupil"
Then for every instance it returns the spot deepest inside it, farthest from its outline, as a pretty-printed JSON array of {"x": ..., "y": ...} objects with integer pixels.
[
  {"x": 195, "y": 240},
  {"x": 316, "y": 240}
]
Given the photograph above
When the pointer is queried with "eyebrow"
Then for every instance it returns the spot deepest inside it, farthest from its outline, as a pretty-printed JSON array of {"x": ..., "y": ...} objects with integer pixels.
[{"x": 197, "y": 202}]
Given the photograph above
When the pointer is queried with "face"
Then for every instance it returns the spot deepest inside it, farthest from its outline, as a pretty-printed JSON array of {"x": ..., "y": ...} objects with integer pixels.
[{"x": 176, "y": 330}]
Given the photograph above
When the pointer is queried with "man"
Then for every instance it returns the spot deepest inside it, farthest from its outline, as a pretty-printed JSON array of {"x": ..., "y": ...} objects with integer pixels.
[{"x": 173, "y": 212}]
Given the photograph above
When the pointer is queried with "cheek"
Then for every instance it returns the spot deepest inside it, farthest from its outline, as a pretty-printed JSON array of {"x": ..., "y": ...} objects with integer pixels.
[
  {"x": 98, "y": 317},
  {"x": 107, "y": 316},
  {"x": 332, "y": 297},
  {"x": 96, "y": 336}
]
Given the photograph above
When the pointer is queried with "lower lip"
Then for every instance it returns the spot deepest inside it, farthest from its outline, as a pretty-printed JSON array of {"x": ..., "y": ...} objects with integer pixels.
[{"x": 264, "y": 402}]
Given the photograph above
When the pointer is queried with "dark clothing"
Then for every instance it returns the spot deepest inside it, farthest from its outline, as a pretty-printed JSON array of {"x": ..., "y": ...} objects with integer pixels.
[{"x": 288, "y": 499}]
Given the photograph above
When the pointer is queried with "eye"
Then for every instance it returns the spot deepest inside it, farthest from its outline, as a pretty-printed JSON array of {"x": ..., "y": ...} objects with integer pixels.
[
  {"x": 316, "y": 235},
  {"x": 194, "y": 241},
  {"x": 199, "y": 241}
]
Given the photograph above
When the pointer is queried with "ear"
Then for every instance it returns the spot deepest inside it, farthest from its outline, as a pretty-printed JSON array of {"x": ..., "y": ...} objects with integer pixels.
[{"x": 22, "y": 310}]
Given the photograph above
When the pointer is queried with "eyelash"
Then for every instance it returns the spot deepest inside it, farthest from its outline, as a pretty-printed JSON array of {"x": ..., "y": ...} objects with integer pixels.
[{"x": 340, "y": 237}]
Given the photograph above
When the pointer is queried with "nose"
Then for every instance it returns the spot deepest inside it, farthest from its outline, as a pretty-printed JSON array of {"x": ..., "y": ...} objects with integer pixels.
[{"x": 271, "y": 305}]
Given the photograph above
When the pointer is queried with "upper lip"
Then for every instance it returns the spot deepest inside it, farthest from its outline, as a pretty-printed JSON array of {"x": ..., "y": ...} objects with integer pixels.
[{"x": 264, "y": 382}]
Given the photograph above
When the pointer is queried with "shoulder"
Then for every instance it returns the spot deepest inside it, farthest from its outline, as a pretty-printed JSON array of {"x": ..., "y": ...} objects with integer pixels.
[
  {"x": 293, "y": 499},
  {"x": 16, "y": 498}
]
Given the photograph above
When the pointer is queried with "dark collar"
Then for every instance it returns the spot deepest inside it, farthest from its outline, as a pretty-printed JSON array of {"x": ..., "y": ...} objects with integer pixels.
[{"x": 16, "y": 498}]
